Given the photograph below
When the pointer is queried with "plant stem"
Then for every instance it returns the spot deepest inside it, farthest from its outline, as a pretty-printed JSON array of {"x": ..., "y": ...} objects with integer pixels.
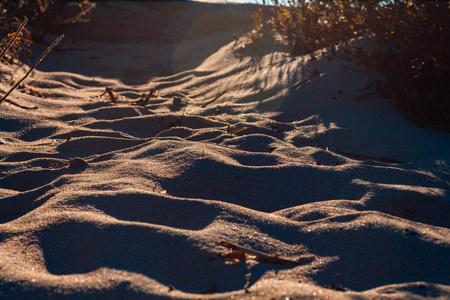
[
  {"x": 34, "y": 66},
  {"x": 14, "y": 38}
]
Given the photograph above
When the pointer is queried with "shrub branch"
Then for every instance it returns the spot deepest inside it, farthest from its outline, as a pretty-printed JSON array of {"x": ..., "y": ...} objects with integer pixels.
[
  {"x": 14, "y": 38},
  {"x": 34, "y": 66}
]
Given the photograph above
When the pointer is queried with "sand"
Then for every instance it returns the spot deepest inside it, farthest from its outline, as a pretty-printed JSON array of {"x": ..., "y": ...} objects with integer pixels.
[{"x": 228, "y": 148}]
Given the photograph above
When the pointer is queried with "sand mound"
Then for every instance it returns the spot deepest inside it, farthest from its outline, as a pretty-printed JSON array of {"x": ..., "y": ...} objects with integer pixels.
[{"x": 133, "y": 204}]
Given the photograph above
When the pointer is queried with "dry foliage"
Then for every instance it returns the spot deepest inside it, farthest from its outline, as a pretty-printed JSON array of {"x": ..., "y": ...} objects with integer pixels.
[
  {"x": 51, "y": 13},
  {"x": 412, "y": 44}
]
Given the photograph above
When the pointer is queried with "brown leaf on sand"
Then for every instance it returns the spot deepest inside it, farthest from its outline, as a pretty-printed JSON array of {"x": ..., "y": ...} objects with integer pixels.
[
  {"x": 257, "y": 255},
  {"x": 68, "y": 137},
  {"x": 277, "y": 128},
  {"x": 34, "y": 92},
  {"x": 234, "y": 257}
]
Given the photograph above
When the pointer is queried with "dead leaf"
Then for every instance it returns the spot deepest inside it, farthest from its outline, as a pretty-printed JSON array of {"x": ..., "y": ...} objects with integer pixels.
[
  {"x": 259, "y": 256},
  {"x": 279, "y": 129},
  {"x": 234, "y": 257}
]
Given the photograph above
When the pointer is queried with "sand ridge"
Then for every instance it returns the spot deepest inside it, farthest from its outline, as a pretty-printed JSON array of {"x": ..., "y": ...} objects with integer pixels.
[{"x": 229, "y": 148}]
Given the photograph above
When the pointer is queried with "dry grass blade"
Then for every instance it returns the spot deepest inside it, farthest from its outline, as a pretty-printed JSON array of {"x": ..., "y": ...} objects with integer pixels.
[
  {"x": 239, "y": 130},
  {"x": 209, "y": 102},
  {"x": 375, "y": 158},
  {"x": 296, "y": 85},
  {"x": 21, "y": 106},
  {"x": 353, "y": 69},
  {"x": 34, "y": 66},
  {"x": 14, "y": 38}
]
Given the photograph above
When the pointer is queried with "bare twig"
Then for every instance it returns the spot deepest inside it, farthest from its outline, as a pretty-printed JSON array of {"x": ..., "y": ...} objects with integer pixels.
[
  {"x": 238, "y": 130},
  {"x": 353, "y": 69},
  {"x": 111, "y": 95},
  {"x": 147, "y": 98},
  {"x": 209, "y": 102},
  {"x": 21, "y": 106},
  {"x": 375, "y": 158},
  {"x": 34, "y": 66},
  {"x": 296, "y": 85},
  {"x": 14, "y": 38}
]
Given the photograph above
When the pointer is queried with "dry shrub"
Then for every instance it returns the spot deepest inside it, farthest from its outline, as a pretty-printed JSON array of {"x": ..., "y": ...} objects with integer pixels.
[
  {"x": 48, "y": 12},
  {"x": 413, "y": 44}
]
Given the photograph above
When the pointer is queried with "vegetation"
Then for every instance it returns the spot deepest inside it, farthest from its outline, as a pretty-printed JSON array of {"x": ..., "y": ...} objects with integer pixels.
[
  {"x": 412, "y": 45},
  {"x": 40, "y": 12},
  {"x": 412, "y": 40}
]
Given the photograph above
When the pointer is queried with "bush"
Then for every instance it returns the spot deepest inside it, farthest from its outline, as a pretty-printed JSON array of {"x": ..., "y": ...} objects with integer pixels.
[
  {"x": 12, "y": 14},
  {"x": 47, "y": 12},
  {"x": 413, "y": 42}
]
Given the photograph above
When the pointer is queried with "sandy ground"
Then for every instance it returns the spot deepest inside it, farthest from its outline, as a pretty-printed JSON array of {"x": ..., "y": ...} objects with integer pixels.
[{"x": 229, "y": 148}]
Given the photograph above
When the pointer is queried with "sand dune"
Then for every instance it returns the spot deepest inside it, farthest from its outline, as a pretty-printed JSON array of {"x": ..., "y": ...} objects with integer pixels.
[{"x": 229, "y": 148}]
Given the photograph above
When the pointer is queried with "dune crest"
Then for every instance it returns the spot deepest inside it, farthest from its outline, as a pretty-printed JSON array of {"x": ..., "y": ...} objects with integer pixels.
[{"x": 240, "y": 142}]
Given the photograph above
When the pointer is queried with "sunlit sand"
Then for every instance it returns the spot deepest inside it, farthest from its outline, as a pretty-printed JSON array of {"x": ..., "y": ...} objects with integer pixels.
[{"x": 215, "y": 167}]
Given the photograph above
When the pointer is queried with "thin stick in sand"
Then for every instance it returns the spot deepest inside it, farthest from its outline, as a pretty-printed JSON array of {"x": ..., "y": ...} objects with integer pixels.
[
  {"x": 32, "y": 68},
  {"x": 375, "y": 158},
  {"x": 209, "y": 102},
  {"x": 144, "y": 102},
  {"x": 296, "y": 85},
  {"x": 111, "y": 95}
]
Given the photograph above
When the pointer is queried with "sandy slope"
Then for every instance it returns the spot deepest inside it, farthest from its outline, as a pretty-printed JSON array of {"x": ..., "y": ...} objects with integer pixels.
[{"x": 352, "y": 189}]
